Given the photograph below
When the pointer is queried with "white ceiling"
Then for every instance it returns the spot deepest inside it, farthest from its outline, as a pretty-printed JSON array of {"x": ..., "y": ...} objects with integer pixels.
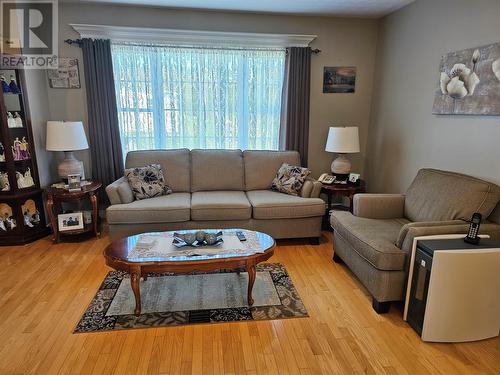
[{"x": 350, "y": 8}]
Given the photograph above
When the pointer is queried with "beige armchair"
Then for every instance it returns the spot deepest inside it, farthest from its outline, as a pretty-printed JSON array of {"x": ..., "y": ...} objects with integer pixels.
[{"x": 375, "y": 240}]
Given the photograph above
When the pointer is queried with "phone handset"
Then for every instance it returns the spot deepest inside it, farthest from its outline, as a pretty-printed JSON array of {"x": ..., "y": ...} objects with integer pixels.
[
  {"x": 325, "y": 178},
  {"x": 473, "y": 233}
]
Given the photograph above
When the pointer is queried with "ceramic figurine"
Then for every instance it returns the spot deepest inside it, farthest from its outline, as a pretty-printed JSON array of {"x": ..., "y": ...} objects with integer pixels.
[
  {"x": 2, "y": 152},
  {"x": 25, "y": 152},
  {"x": 27, "y": 219},
  {"x": 14, "y": 88},
  {"x": 11, "y": 122},
  {"x": 4, "y": 181},
  {"x": 18, "y": 120},
  {"x": 2, "y": 225},
  {"x": 24, "y": 181},
  {"x": 11, "y": 222},
  {"x": 35, "y": 218},
  {"x": 16, "y": 149},
  {"x": 5, "y": 85}
]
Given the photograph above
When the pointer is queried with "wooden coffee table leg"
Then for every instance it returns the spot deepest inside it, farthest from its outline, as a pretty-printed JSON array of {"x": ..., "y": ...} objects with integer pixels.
[
  {"x": 251, "y": 280},
  {"x": 135, "y": 277}
]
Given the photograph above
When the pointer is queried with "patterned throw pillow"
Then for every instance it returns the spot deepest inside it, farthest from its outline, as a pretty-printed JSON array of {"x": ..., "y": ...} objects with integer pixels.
[
  {"x": 147, "y": 182},
  {"x": 289, "y": 179}
]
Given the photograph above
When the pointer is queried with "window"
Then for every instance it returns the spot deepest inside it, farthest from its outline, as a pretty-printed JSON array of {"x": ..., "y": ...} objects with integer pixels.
[{"x": 173, "y": 97}]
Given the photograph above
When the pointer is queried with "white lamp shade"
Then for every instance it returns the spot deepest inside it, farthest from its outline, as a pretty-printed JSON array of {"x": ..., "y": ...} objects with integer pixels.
[
  {"x": 343, "y": 140},
  {"x": 66, "y": 136}
]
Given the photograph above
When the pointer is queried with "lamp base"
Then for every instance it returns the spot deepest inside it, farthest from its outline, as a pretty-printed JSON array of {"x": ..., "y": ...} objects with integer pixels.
[
  {"x": 341, "y": 167},
  {"x": 70, "y": 165}
]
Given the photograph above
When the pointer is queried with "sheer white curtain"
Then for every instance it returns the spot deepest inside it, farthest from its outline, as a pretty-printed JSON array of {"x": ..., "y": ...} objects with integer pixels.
[{"x": 172, "y": 97}]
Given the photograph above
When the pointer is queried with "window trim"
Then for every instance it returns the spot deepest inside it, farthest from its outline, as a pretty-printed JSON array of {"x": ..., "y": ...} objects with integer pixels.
[{"x": 200, "y": 38}]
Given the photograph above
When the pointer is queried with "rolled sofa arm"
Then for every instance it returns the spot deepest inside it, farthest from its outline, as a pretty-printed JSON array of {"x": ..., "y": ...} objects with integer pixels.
[
  {"x": 379, "y": 206},
  {"x": 491, "y": 229},
  {"x": 119, "y": 192},
  {"x": 311, "y": 188}
]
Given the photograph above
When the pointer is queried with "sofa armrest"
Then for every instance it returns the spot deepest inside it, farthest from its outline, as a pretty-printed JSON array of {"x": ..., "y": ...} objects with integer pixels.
[
  {"x": 379, "y": 206},
  {"x": 491, "y": 229},
  {"x": 120, "y": 192},
  {"x": 311, "y": 188}
]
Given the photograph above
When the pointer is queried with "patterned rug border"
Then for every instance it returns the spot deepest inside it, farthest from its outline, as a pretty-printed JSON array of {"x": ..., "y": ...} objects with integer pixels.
[{"x": 94, "y": 318}]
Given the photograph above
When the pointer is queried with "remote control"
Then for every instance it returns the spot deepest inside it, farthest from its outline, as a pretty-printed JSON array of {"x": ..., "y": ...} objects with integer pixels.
[{"x": 241, "y": 236}]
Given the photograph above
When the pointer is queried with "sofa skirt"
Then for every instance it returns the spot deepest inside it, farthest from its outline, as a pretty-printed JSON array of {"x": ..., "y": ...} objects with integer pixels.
[{"x": 277, "y": 228}]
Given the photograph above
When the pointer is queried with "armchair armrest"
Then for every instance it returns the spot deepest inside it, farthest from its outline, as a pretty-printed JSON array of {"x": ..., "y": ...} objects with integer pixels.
[
  {"x": 120, "y": 192},
  {"x": 379, "y": 206},
  {"x": 444, "y": 227},
  {"x": 311, "y": 188}
]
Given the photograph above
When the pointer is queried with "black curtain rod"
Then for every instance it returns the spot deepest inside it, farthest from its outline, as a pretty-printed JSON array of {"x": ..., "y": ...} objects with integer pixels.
[{"x": 315, "y": 51}]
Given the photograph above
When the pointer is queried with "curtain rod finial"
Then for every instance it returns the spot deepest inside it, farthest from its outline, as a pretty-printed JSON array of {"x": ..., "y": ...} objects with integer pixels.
[{"x": 73, "y": 41}]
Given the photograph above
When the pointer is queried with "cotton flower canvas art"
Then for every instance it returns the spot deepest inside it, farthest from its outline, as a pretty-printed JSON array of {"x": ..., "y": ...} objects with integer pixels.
[{"x": 469, "y": 82}]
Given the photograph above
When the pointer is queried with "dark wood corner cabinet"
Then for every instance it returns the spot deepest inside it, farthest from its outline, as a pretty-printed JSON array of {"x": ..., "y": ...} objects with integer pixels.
[{"x": 22, "y": 217}]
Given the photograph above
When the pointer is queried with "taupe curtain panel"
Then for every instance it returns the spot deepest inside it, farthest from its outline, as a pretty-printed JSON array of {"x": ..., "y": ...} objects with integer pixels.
[
  {"x": 105, "y": 146},
  {"x": 294, "y": 121}
]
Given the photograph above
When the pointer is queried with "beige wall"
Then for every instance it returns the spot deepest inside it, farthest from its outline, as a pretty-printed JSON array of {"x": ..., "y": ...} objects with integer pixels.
[
  {"x": 404, "y": 135},
  {"x": 36, "y": 83},
  {"x": 343, "y": 42}
]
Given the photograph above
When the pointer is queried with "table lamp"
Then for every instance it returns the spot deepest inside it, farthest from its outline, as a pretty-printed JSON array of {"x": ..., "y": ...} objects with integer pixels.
[
  {"x": 343, "y": 140},
  {"x": 68, "y": 137}
]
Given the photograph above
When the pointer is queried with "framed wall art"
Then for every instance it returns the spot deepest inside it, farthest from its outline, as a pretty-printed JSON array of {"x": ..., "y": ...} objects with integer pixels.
[
  {"x": 339, "y": 79},
  {"x": 67, "y": 76},
  {"x": 469, "y": 82}
]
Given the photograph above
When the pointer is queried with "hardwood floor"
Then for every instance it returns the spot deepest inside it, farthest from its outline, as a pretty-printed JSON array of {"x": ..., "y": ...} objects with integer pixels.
[{"x": 45, "y": 288}]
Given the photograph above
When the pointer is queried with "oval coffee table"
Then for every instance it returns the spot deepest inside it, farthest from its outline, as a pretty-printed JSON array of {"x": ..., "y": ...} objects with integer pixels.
[{"x": 118, "y": 256}]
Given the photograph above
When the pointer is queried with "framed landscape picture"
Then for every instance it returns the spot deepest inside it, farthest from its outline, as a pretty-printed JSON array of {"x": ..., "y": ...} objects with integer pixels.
[
  {"x": 339, "y": 79},
  {"x": 469, "y": 82}
]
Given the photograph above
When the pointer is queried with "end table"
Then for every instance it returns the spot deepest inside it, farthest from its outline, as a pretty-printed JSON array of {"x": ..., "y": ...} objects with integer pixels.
[
  {"x": 55, "y": 196},
  {"x": 334, "y": 190}
]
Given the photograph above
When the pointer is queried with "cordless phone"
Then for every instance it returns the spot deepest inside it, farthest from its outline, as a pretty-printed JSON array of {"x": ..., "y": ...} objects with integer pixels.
[{"x": 472, "y": 234}]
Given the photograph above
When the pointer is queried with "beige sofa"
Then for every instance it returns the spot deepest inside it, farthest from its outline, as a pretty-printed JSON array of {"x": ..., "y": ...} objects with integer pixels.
[
  {"x": 376, "y": 239},
  {"x": 217, "y": 189}
]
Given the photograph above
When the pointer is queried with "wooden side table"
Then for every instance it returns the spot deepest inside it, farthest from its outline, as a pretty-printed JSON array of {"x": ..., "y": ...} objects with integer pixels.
[
  {"x": 334, "y": 191},
  {"x": 55, "y": 197}
]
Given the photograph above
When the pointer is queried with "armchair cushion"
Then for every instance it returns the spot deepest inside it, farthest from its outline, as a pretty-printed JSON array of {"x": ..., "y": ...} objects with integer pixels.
[
  {"x": 436, "y": 195},
  {"x": 379, "y": 206},
  {"x": 372, "y": 239}
]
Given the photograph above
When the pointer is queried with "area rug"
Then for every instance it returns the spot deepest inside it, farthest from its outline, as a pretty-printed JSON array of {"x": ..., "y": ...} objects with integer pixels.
[{"x": 172, "y": 300}]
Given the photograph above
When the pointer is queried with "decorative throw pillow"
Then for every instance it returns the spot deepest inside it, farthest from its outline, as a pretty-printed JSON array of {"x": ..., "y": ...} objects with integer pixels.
[
  {"x": 289, "y": 179},
  {"x": 147, "y": 182}
]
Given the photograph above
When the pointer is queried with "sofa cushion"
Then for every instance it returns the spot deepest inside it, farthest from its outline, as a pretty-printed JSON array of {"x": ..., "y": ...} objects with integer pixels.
[
  {"x": 174, "y": 163},
  {"x": 147, "y": 182},
  {"x": 261, "y": 167},
  {"x": 372, "y": 239},
  {"x": 220, "y": 205},
  {"x": 170, "y": 208},
  {"x": 290, "y": 179},
  {"x": 216, "y": 170},
  {"x": 436, "y": 195},
  {"x": 267, "y": 204}
]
